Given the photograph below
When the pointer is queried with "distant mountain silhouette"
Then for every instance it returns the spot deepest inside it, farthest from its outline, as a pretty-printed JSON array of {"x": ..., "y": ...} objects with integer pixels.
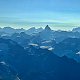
[
  {"x": 33, "y": 30},
  {"x": 47, "y": 28},
  {"x": 9, "y": 30},
  {"x": 76, "y": 29},
  {"x": 21, "y": 38},
  {"x": 46, "y": 34},
  {"x": 68, "y": 47}
]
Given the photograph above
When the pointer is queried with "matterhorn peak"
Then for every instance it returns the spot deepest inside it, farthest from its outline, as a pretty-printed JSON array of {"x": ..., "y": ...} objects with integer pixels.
[{"x": 47, "y": 28}]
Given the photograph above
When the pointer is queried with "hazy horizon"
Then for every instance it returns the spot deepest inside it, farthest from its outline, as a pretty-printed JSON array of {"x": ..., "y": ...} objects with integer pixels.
[
  {"x": 59, "y": 26},
  {"x": 58, "y": 14}
]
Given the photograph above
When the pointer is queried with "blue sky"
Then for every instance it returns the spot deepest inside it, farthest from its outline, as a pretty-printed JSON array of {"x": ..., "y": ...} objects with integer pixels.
[{"x": 59, "y": 14}]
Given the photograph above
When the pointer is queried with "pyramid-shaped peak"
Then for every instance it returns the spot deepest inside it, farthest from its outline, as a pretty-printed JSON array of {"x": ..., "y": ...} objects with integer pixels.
[{"x": 47, "y": 28}]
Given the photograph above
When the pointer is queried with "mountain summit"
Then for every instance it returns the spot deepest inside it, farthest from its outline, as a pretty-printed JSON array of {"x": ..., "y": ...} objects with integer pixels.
[{"x": 47, "y": 28}]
